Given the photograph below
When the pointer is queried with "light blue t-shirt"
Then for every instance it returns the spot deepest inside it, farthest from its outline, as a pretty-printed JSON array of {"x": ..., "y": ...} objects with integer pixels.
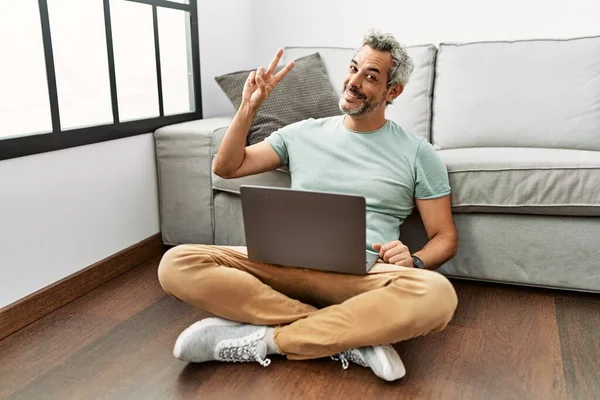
[{"x": 389, "y": 167}]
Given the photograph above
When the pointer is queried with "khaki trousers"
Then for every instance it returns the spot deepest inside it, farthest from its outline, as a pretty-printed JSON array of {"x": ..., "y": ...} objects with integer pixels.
[{"x": 315, "y": 313}]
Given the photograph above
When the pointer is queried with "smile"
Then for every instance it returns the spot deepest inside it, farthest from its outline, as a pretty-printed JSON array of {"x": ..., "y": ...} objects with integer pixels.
[{"x": 352, "y": 96}]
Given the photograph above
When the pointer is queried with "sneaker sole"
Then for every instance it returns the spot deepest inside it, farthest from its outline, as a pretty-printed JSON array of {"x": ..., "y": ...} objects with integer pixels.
[
  {"x": 195, "y": 327},
  {"x": 392, "y": 366}
]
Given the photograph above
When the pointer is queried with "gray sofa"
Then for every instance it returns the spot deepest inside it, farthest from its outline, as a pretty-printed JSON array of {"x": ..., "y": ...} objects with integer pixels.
[{"x": 518, "y": 127}]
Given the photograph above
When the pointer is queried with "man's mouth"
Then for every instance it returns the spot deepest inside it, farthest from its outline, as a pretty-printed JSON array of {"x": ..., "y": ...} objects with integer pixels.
[{"x": 353, "y": 95}]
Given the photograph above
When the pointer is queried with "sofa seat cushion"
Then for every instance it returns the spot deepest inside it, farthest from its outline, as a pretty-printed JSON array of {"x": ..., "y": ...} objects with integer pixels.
[
  {"x": 524, "y": 180},
  {"x": 279, "y": 178}
]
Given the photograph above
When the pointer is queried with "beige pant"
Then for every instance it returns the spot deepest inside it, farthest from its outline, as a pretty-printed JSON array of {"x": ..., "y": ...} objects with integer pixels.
[{"x": 315, "y": 314}]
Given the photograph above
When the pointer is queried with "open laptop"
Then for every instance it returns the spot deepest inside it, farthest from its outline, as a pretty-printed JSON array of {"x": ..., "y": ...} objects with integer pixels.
[{"x": 315, "y": 230}]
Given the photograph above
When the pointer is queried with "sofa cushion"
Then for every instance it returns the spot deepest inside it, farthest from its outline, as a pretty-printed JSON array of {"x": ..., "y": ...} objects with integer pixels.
[
  {"x": 305, "y": 92},
  {"x": 229, "y": 227},
  {"x": 524, "y": 180},
  {"x": 412, "y": 110},
  {"x": 280, "y": 178},
  {"x": 533, "y": 93},
  {"x": 183, "y": 160}
]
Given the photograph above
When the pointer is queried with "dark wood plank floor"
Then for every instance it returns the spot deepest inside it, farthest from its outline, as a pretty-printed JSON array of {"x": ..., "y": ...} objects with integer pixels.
[{"x": 116, "y": 342}]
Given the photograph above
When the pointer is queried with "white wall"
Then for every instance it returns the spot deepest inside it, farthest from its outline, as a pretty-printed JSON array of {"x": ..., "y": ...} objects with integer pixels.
[
  {"x": 343, "y": 22},
  {"x": 64, "y": 210},
  {"x": 226, "y": 30}
]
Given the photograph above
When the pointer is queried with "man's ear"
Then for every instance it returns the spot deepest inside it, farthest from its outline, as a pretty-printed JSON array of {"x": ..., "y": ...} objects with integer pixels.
[{"x": 394, "y": 92}]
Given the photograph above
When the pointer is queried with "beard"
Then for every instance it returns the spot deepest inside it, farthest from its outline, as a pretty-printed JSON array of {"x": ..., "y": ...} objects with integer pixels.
[{"x": 365, "y": 107}]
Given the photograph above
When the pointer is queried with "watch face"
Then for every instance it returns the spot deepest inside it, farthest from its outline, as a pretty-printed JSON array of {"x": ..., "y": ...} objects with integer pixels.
[{"x": 417, "y": 262}]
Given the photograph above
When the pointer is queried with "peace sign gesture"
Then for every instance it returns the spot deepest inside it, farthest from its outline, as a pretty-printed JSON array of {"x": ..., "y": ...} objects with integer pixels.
[{"x": 260, "y": 83}]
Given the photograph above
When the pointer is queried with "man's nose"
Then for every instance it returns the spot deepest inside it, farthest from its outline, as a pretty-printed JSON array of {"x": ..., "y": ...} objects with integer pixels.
[{"x": 355, "y": 80}]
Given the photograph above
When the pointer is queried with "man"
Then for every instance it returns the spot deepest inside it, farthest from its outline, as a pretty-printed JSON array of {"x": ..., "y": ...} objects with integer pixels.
[{"x": 305, "y": 314}]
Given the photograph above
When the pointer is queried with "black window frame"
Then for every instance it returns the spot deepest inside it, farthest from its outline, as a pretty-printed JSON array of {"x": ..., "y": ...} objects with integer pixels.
[{"x": 59, "y": 139}]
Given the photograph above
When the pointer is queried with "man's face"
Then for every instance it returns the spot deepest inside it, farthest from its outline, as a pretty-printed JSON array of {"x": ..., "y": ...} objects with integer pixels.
[{"x": 365, "y": 85}]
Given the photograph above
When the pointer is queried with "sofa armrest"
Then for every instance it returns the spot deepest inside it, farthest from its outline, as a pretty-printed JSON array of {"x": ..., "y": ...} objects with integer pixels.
[{"x": 184, "y": 164}]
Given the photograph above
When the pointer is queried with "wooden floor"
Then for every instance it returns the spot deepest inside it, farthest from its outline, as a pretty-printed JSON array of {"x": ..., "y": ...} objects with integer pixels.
[{"x": 116, "y": 343}]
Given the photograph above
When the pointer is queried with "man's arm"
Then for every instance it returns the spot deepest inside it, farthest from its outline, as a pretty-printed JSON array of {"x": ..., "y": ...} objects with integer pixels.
[
  {"x": 436, "y": 215},
  {"x": 234, "y": 159},
  {"x": 443, "y": 239}
]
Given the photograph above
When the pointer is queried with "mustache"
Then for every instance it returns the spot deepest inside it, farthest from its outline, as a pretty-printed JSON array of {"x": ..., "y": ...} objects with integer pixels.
[{"x": 355, "y": 92}]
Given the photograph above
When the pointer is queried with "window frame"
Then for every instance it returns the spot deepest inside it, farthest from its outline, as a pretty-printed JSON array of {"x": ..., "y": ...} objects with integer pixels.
[{"x": 59, "y": 139}]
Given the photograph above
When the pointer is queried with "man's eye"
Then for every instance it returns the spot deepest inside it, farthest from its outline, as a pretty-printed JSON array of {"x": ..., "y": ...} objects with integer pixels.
[
  {"x": 353, "y": 68},
  {"x": 372, "y": 77}
]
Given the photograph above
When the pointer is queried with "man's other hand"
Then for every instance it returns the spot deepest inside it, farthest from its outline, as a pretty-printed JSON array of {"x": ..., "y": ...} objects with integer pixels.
[{"x": 394, "y": 252}]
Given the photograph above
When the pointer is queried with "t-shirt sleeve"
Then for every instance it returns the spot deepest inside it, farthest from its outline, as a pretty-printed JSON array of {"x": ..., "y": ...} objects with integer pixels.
[
  {"x": 282, "y": 138},
  {"x": 431, "y": 173},
  {"x": 278, "y": 143}
]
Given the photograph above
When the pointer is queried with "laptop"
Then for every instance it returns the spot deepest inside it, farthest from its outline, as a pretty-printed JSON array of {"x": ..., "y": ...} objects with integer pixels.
[{"x": 304, "y": 229}]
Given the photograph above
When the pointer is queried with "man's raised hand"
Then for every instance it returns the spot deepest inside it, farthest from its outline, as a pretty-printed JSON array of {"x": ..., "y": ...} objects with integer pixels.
[{"x": 260, "y": 83}]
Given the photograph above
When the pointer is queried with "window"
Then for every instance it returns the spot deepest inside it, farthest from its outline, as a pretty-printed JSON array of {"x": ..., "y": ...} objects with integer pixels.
[
  {"x": 133, "y": 43},
  {"x": 175, "y": 61},
  {"x": 24, "y": 103},
  {"x": 80, "y": 62},
  {"x": 80, "y": 72}
]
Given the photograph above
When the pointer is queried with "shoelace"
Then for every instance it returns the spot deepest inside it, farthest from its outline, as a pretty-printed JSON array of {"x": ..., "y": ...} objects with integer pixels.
[
  {"x": 243, "y": 351},
  {"x": 346, "y": 356}
]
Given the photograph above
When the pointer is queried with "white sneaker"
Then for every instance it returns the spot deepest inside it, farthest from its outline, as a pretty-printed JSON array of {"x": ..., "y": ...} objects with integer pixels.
[
  {"x": 222, "y": 340},
  {"x": 383, "y": 360}
]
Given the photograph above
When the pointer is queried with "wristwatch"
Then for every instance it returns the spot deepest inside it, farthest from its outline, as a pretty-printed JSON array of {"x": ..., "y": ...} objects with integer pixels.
[{"x": 418, "y": 263}]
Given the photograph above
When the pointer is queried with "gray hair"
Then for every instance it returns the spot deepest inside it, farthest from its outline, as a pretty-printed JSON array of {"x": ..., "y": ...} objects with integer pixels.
[{"x": 402, "y": 65}]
